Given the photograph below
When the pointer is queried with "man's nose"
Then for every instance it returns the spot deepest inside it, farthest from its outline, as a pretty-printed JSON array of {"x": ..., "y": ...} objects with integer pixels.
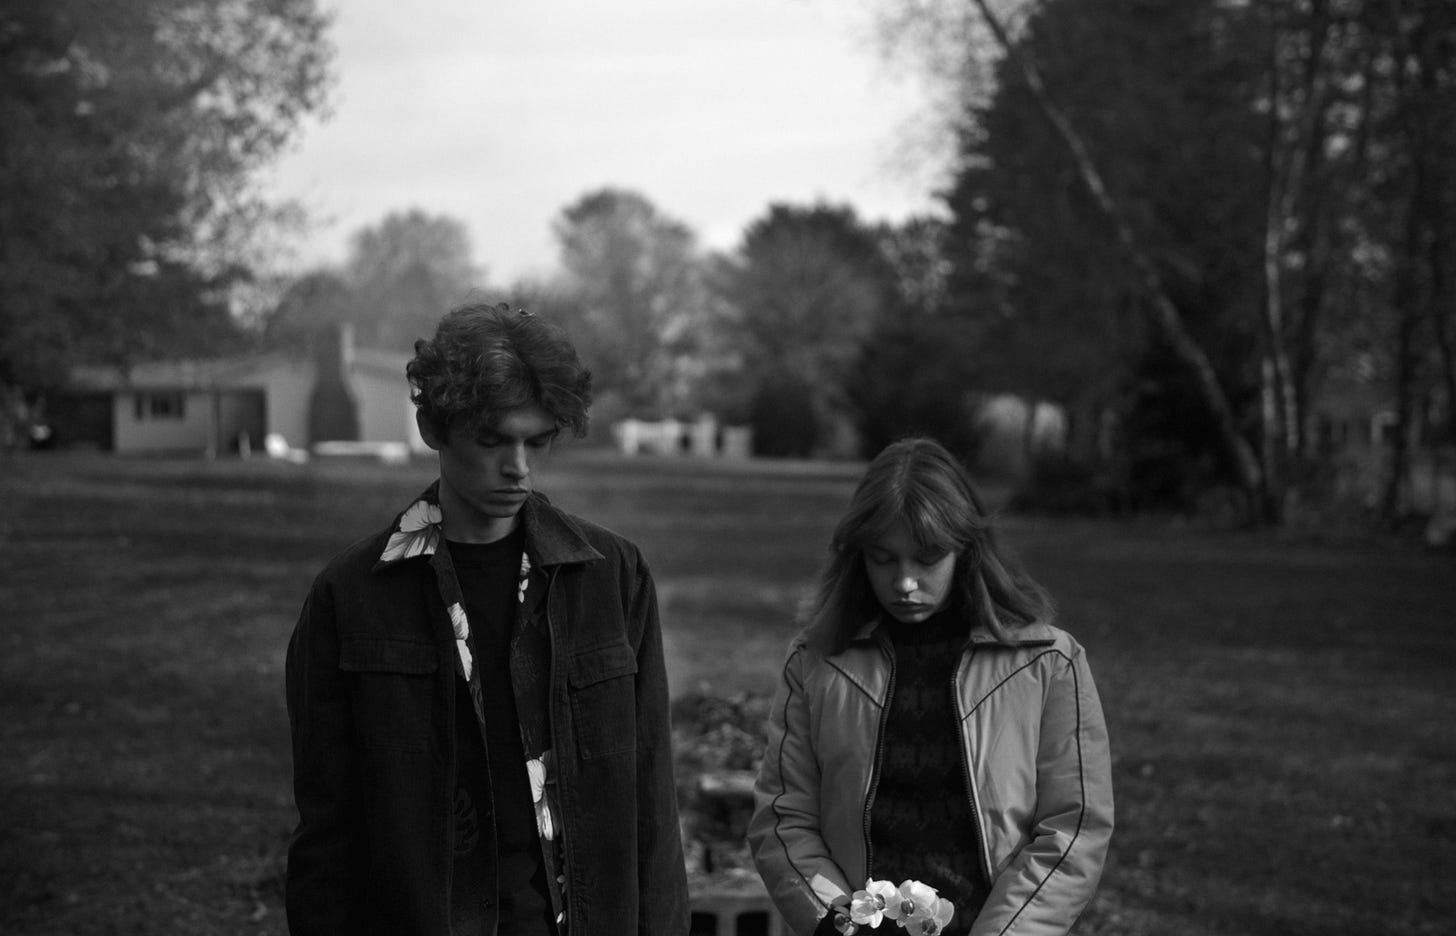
[{"x": 518, "y": 465}]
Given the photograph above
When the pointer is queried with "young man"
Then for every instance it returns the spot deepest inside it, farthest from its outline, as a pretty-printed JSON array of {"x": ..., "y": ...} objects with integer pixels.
[{"x": 477, "y": 693}]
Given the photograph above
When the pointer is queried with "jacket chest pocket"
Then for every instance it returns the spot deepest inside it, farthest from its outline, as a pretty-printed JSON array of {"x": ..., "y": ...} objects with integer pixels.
[
  {"x": 603, "y": 690},
  {"x": 393, "y": 690}
]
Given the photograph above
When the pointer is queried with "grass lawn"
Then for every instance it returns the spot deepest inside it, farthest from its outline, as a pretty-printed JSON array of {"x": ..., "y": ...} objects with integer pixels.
[{"x": 1281, "y": 710}]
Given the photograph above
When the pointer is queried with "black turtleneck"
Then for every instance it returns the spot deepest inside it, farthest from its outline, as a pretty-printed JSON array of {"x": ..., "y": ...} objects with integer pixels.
[{"x": 921, "y": 826}]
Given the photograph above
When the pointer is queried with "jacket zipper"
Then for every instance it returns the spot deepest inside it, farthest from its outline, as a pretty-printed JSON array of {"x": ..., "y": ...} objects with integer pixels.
[
  {"x": 969, "y": 775},
  {"x": 874, "y": 781}
]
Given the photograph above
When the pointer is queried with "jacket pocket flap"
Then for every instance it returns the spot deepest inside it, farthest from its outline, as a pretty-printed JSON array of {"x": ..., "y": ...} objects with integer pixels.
[
  {"x": 601, "y": 663},
  {"x": 369, "y": 654}
]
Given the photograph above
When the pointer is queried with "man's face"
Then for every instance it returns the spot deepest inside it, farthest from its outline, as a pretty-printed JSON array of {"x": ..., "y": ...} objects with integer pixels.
[{"x": 485, "y": 476}]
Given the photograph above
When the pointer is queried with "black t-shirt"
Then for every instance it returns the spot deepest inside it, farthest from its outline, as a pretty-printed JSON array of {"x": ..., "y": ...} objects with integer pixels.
[{"x": 492, "y": 783}]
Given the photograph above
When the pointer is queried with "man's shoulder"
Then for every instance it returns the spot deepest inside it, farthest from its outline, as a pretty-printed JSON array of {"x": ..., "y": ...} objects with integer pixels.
[
  {"x": 604, "y": 540},
  {"x": 357, "y": 559}
]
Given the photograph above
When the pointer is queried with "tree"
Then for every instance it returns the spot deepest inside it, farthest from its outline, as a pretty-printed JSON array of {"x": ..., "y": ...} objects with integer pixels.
[
  {"x": 310, "y": 310},
  {"x": 1419, "y": 45},
  {"x": 1262, "y": 191},
  {"x": 636, "y": 281},
  {"x": 916, "y": 370},
  {"x": 1156, "y": 294},
  {"x": 805, "y": 289},
  {"x": 404, "y": 273},
  {"x": 132, "y": 130}
]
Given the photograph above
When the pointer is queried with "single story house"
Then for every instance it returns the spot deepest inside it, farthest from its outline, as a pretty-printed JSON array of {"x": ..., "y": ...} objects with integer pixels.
[{"x": 335, "y": 392}]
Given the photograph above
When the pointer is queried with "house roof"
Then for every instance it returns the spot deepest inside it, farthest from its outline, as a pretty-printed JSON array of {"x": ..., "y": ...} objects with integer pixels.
[
  {"x": 391, "y": 363},
  {"x": 193, "y": 374},
  {"x": 219, "y": 373}
]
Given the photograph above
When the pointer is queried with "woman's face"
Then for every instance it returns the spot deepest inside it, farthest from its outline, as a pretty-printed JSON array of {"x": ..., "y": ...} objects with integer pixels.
[{"x": 910, "y": 581}]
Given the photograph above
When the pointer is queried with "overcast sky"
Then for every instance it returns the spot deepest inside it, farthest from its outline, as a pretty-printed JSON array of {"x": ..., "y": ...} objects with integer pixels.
[{"x": 502, "y": 113}]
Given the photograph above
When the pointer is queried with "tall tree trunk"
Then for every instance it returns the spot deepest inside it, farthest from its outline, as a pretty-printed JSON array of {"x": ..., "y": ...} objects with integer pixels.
[
  {"x": 1442, "y": 308},
  {"x": 1405, "y": 379},
  {"x": 1245, "y": 460},
  {"x": 1407, "y": 294},
  {"x": 1293, "y": 162}
]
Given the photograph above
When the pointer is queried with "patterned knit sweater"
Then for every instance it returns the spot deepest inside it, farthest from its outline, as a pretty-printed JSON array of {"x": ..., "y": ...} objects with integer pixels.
[{"x": 921, "y": 826}]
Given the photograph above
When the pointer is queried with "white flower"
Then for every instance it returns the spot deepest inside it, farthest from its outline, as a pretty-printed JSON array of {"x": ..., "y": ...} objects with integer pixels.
[
  {"x": 867, "y": 907},
  {"x": 461, "y": 626},
  {"x": 536, "y": 770},
  {"x": 418, "y": 533},
  {"x": 525, "y": 578},
  {"x": 420, "y": 515},
  {"x": 458, "y": 621}
]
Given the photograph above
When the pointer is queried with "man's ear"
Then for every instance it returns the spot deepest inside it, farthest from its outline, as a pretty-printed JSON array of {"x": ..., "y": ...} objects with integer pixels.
[{"x": 427, "y": 431}]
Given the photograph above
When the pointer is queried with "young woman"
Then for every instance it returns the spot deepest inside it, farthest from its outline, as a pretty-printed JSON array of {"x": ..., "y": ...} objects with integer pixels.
[{"x": 932, "y": 726}]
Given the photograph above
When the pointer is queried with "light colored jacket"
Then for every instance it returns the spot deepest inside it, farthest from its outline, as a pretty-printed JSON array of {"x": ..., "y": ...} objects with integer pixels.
[{"x": 1037, "y": 764}]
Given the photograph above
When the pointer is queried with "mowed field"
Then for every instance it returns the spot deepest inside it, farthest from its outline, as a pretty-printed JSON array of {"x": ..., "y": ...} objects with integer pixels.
[{"x": 1282, "y": 711}]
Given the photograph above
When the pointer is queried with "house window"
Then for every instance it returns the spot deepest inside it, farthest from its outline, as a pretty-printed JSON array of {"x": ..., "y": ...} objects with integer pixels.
[{"x": 155, "y": 406}]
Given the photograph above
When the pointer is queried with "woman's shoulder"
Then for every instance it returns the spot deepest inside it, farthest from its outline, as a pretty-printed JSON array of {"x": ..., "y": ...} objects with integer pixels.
[
  {"x": 1040, "y": 637},
  {"x": 818, "y": 639}
]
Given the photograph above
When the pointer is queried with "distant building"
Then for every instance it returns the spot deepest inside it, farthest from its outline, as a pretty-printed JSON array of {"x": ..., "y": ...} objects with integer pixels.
[
  {"x": 1353, "y": 429},
  {"x": 336, "y": 393},
  {"x": 704, "y": 437}
]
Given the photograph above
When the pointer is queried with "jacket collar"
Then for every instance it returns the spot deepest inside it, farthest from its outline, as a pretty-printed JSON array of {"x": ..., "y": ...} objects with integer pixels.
[
  {"x": 551, "y": 536},
  {"x": 1025, "y": 635}
]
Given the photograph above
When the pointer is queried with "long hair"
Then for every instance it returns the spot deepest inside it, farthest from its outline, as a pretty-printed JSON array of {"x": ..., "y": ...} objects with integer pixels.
[
  {"x": 486, "y": 359},
  {"x": 916, "y": 480}
]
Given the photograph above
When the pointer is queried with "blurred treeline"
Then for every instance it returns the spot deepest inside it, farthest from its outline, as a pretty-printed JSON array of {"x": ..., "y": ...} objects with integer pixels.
[{"x": 1218, "y": 236}]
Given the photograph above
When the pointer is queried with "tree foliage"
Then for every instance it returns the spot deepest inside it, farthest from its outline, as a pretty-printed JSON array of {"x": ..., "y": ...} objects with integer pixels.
[
  {"x": 1262, "y": 191},
  {"x": 634, "y": 279},
  {"x": 404, "y": 273},
  {"x": 131, "y": 131},
  {"x": 804, "y": 290},
  {"x": 917, "y": 370}
]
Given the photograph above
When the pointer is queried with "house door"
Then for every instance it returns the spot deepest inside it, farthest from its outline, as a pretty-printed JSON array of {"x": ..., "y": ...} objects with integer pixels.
[{"x": 242, "y": 420}]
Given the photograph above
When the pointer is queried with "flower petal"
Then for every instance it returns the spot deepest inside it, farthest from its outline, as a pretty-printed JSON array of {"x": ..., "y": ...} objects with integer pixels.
[
  {"x": 458, "y": 621},
  {"x": 466, "y": 663},
  {"x": 420, "y": 514},
  {"x": 866, "y": 909},
  {"x": 536, "y": 771}
]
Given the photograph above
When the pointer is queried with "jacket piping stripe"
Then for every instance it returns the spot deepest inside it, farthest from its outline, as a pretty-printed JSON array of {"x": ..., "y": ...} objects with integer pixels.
[
  {"x": 853, "y": 682},
  {"x": 779, "y": 757},
  {"x": 1081, "y": 773}
]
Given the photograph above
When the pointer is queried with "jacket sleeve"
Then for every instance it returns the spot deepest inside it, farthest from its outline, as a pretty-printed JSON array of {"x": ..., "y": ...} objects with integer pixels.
[
  {"x": 661, "y": 870},
  {"x": 783, "y": 835},
  {"x": 326, "y": 857},
  {"x": 1049, "y": 881}
]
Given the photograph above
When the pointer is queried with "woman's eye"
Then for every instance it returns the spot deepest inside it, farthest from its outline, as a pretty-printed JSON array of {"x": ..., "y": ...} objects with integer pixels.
[{"x": 931, "y": 558}]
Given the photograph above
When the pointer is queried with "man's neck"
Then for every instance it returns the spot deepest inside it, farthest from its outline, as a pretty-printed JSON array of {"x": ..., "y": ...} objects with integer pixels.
[{"x": 460, "y": 524}]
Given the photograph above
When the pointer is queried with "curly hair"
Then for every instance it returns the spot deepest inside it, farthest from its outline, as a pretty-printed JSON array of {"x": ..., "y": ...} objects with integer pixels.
[{"x": 486, "y": 359}]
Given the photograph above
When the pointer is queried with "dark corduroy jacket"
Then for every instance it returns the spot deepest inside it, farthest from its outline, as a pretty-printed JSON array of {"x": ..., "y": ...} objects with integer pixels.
[{"x": 371, "y": 683}]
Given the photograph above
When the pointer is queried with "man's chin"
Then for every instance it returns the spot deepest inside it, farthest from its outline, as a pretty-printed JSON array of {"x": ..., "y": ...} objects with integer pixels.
[{"x": 501, "y": 507}]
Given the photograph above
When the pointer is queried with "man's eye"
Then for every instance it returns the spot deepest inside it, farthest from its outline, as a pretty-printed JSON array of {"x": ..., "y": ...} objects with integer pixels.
[{"x": 540, "y": 442}]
